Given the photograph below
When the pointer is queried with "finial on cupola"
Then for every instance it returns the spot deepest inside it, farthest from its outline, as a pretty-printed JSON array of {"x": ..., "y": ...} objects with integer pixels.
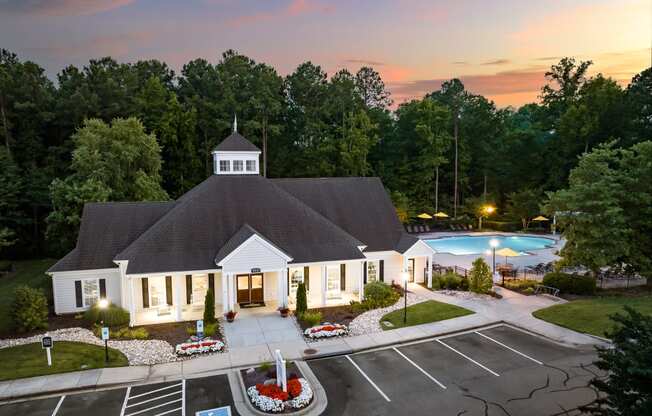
[{"x": 235, "y": 123}]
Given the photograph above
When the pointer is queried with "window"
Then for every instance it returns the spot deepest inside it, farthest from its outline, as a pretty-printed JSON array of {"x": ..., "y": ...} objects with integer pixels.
[
  {"x": 199, "y": 289},
  {"x": 372, "y": 271},
  {"x": 225, "y": 165},
  {"x": 157, "y": 292},
  {"x": 238, "y": 165},
  {"x": 296, "y": 277},
  {"x": 333, "y": 282},
  {"x": 90, "y": 292},
  {"x": 251, "y": 165}
]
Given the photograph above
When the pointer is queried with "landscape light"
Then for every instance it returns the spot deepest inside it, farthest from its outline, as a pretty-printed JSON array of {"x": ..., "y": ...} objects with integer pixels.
[{"x": 103, "y": 303}]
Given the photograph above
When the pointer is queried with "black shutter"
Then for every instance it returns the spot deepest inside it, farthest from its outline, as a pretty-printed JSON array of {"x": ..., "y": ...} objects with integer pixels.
[
  {"x": 145, "y": 286},
  {"x": 288, "y": 284},
  {"x": 306, "y": 277},
  {"x": 364, "y": 273},
  {"x": 381, "y": 272},
  {"x": 168, "y": 290},
  {"x": 78, "y": 294},
  {"x": 211, "y": 282},
  {"x": 188, "y": 289},
  {"x": 102, "y": 288},
  {"x": 342, "y": 276}
]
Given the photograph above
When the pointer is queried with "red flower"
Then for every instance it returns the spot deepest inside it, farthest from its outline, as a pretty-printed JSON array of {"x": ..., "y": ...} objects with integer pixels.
[
  {"x": 273, "y": 391},
  {"x": 294, "y": 387}
]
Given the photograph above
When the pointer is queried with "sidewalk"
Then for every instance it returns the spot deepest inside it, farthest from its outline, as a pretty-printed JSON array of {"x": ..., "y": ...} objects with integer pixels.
[{"x": 514, "y": 309}]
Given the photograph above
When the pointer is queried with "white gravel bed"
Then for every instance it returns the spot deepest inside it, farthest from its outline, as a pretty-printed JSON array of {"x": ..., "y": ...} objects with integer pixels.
[
  {"x": 145, "y": 352},
  {"x": 369, "y": 322}
]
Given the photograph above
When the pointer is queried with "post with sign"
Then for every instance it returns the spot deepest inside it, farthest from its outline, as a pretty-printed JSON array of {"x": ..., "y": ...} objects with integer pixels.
[
  {"x": 200, "y": 329},
  {"x": 105, "y": 338},
  {"x": 46, "y": 344},
  {"x": 281, "y": 371}
]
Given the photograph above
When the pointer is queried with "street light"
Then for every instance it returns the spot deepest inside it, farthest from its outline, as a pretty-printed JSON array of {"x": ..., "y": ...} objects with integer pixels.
[
  {"x": 485, "y": 212},
  {"x": 405, "y": 277},
  {"x": 494, "y": 243}
]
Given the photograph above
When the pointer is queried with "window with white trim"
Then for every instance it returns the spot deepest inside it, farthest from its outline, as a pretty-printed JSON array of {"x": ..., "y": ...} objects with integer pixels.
[
  {"x": 90, "y": 292},
  {"x": 238, "y": 165},
  {"x": 296, "y": 277},
  {"x": 225, "y": 165},
  {"x": 372, "y": 271},
  {"x": 157, "y": 294},
  {"x": 333, "y": 289},
  {"x": 251, "y": 165}
]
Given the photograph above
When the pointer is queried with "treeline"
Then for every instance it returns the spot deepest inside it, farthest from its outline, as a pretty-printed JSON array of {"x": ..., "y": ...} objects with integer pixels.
[{"x": 449, "y": 151}]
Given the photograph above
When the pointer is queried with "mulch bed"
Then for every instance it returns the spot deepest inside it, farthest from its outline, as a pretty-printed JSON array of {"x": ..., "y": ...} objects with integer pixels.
[
  {"x": 258, "y": 376},
  {"x": 54, "y": 322},
  {"x": 334, "y": 314},
  {"x": 173, "y": 332}
]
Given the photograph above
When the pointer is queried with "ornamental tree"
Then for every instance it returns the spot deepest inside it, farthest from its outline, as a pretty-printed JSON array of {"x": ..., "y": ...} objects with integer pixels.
[{"x": 480, "y": 277}]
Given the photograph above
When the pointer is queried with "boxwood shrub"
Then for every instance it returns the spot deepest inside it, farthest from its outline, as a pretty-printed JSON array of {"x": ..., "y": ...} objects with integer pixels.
[
  {"x": 112, "y": 315},
  {"x": 570, "y": 283},
  {"x": 379, "y": 295}
]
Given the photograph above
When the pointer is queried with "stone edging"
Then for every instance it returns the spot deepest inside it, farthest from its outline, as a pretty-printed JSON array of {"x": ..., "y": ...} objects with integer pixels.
[{"x": 243, "y": 404}]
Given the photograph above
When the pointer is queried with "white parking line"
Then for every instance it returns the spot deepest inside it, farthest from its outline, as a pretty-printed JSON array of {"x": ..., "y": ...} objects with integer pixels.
[
  {"x": 182, "y": 408},
  {"x": 56, "y": 409},
  {"x": 467, "y": 357},
  {"x": 419, "y": 368},
  {"x": 183, "y": 398},
  {"x": 153, "y": 407},
  {"x": 124, "y": 403},
  {"x": 155, "y": 398},
  {"x": 155, "y": 391},
  {"x": 509, "y": 348},
  {"x": 368, "y": 379}
]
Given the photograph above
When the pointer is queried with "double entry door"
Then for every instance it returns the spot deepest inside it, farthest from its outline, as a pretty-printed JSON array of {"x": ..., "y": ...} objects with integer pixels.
[{"x": 249, "y": 288}]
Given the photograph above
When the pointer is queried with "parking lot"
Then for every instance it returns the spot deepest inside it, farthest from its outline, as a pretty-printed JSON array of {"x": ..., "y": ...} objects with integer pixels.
[
  {"x": 176, "y": 398},
  {"x": 495, "y": 371}
]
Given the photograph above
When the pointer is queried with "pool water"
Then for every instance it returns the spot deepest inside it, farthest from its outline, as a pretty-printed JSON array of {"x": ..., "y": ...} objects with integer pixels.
[{"x": 463, "y": 245}]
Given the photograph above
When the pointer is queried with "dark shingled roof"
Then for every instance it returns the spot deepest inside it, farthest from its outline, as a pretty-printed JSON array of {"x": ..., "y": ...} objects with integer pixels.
[
  {"x": 243, "y": 234},
  {"x": 405, "y": 243},
  {"x": 236, "y": 143},
  {"x": 203, "y": 221},
  {"x": 360, "y": 206},
  {"x": 106, "y": 229}
]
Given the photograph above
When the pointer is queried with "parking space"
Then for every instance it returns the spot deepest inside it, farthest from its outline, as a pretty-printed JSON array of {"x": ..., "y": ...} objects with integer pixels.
[
  {"x": 176, "y": 398},
  {"x": 500, "y": 370}
]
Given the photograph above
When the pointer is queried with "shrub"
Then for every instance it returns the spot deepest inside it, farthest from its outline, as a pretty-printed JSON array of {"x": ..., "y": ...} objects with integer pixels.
[
  {"x": 436, "y": 282},
  {"x": 209, "y": 329},
  {"x": 111, "y": 316},
  {"x": 311, "y": 318},
  {"x": 358, "y": 307},
  {"x": 464, "y": 284},
  {"x": 450, "y": 281},
  {"x": 570, "y": 283},
  {"x": 379, "y": 295},
  {"x": 29, "y": 309},
  {"x": 265, "y": 367},
  {"x": 302, "y": 301},
  {"x": 209, "y": 307},
  {"x": 123, "y": 332},
  {"x": 520, "y": 284},
  {"x": 528, "y": 291},
  {"x": 480, "y": 277}
]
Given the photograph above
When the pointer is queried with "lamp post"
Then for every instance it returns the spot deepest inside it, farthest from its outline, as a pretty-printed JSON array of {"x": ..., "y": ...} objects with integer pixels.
[
  {"x": 485, "y": 212},
  {"x": 494, "y": 243},
  {"x": 405, "y": 282}
]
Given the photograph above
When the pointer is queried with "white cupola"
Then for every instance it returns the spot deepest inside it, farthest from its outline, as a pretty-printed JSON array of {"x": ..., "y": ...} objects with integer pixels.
[{"x": 236, "y": 155}]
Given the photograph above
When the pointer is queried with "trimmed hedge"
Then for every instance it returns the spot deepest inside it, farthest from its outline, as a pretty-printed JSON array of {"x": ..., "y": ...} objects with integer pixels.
[
  {"x": 111, "y": 316},
  {"x": 570, "y": 283},
  {"x": 450, "y": 281},
  {"x": 379, "y": 295}
]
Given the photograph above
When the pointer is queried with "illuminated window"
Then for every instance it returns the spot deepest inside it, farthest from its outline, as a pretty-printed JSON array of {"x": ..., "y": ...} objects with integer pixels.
[
  {"x": 372, "y": 271},
  {"x": 296, "y": 277},
  {"x": 90, "y": 292}
]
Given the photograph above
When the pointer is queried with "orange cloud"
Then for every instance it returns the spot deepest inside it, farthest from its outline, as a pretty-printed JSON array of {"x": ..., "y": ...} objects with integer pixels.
[
  {"x": 295, "y": 8},
  {"x": 61, "y": 7}
]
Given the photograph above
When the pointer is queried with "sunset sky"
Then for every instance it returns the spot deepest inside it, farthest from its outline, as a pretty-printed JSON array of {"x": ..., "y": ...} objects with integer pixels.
[{"x": 499, "y": 48}]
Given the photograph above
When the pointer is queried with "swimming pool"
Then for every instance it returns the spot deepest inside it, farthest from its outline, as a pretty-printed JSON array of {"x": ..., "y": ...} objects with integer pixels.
[{"x": 466, "y": 244}]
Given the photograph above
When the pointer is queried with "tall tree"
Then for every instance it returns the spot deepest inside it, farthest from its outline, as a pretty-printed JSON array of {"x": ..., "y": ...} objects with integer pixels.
[
  {"x": 371, "y": 88},
  {"x": 639, "y": 97}
]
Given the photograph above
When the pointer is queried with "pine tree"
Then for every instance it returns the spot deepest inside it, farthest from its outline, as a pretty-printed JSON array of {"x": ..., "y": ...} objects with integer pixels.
[
  {"x": 302, "y": 302},
  {"x": 209, "y": 307}
]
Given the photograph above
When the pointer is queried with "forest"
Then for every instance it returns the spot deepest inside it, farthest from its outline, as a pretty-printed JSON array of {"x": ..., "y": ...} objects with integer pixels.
[{"x": 113, "y": 131}]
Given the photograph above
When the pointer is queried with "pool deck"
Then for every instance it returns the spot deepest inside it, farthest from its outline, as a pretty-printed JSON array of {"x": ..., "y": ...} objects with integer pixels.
[{"x": 538, "y": 256}]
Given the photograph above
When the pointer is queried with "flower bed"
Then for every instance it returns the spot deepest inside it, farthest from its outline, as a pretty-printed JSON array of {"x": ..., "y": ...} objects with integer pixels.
[
  {"x": 199, "y": 347},
  {"x": 270, "y": 398},
  {"x": 326, "y": 330}
]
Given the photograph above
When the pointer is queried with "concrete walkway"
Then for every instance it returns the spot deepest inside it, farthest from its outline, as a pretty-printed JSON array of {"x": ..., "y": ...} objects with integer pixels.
[{"x": 255, "y": 341}]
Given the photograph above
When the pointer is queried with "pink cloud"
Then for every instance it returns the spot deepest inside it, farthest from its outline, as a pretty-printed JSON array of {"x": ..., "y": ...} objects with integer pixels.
[
  {"x": 295, "y": 8},
  {"x": 116, "y": 46},
  {"x": 62, "y": 7}
]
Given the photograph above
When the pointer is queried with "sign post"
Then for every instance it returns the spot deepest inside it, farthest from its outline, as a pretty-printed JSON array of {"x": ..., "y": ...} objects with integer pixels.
[
  {"x": 105, "y": 338},
  {"x": 200, "y": 329},
  {"x": 46, "y": 344},
  {"x": 281, "y": 374}
]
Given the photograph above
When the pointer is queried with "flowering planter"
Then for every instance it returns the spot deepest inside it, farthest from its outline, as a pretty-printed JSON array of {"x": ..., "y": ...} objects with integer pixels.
[
  {"x": 326, "y": 331},
  {"x": 284, "y": 312},
  {"x": 230, "y": 316},
  {"x": 270, "y": 398},
  {"x": 199, "y": 347}
]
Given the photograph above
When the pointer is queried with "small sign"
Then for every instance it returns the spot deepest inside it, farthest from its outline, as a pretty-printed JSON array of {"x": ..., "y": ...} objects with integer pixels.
[
  {"x": 105, "y": 333},
  {"x": 200, "y": 328},
  {"x": 255, "y": 270},
  {"x": 220, "y": 411},
  {"x": 46, "y": 342}
]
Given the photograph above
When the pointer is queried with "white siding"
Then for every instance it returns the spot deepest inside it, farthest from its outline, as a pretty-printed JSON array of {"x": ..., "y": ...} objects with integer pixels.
[
  {"x": 353, "y": 276},
  {"x": 63, "y": 287},
  {"x": 253, "y": 253},
  {"x": 270, "y": 285}
]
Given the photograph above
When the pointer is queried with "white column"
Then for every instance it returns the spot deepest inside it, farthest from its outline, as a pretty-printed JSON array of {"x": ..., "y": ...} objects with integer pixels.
[
  {"x": 361, "y": 284},
  {"x": 225, "y": 292},
  {"x": 283, "y": 288},
  {"x": 232, "y": 292},
  {"x": 178, "y": 301},
  {"x": 132, "y": 301},
  {"x": 323, "y": 285},
  {"x": 429, "y": 271}
]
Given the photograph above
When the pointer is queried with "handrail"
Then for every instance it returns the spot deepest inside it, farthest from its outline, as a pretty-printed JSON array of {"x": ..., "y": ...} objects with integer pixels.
[{"x": 546, "y": 289}]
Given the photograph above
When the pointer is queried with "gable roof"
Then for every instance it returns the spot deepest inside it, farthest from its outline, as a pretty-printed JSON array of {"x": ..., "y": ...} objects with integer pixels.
[
  {"x": 236, "y": 143},
  {"x": 106, "y": 229},
  {"x": 359, "y": 205},
  {"x": 204, "y": 220},
  {"x": 243, "y": 234}
]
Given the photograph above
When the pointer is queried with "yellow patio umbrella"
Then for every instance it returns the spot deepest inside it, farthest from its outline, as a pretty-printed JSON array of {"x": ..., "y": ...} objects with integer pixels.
[
  {"x": 540, "y": 218},
  {"x": 441, "y": 214},
  {"x": 424, "y": 216},
  {"x": 507, "y": 252}
]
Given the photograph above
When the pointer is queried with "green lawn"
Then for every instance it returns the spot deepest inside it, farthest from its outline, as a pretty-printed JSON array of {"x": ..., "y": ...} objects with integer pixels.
[
  {"x": 592, "y": 315},
  {"x": 28, "y": 272},
  {"x": 30, "y": 360},
  {"x": 423, "y": 313}
]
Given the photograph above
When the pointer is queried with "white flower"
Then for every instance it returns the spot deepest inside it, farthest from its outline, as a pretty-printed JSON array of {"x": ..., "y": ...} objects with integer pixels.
[
  {"x": 304, "y": 397},
  {"x": 326, "y": 331},
  {"x": 199, "y": 347},
  {"x": 264, "y": 403}
]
